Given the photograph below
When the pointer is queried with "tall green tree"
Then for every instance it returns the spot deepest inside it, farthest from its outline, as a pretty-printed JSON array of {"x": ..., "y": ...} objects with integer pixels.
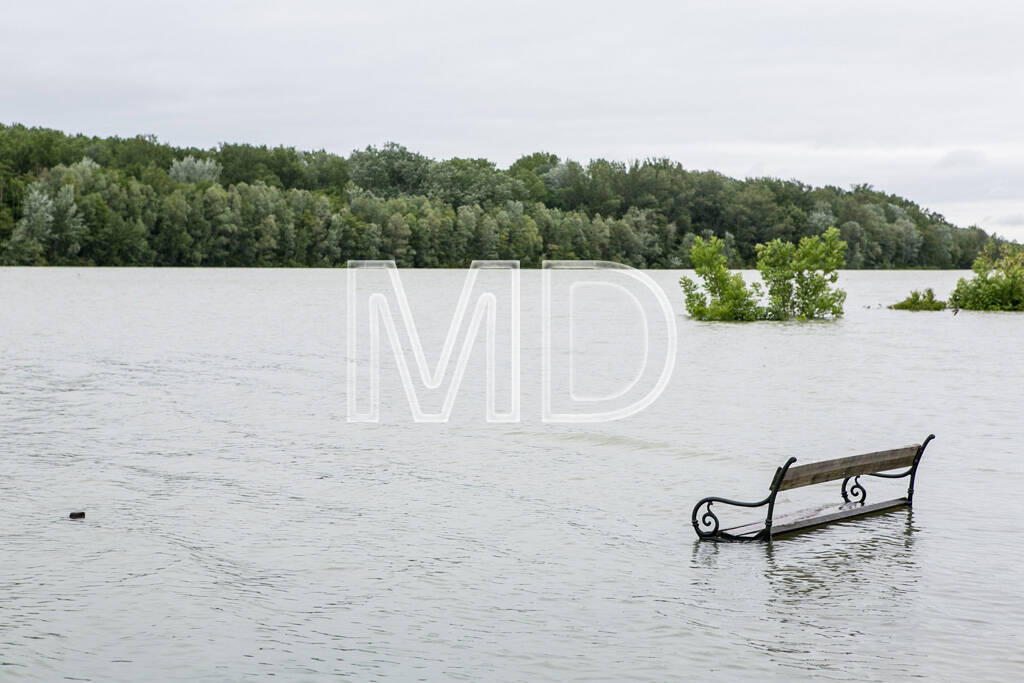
[{"x": 27, "y": 245}]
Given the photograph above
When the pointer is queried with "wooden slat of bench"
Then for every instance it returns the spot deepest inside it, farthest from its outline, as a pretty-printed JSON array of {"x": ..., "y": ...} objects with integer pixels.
[
  {"x": 840, "y": 468},
  {"x": 842, "y": 512},
  {"x": 753, "y": 528},
  {"x": 750, "y": 529},
  {"x": 810, "y": 517}
]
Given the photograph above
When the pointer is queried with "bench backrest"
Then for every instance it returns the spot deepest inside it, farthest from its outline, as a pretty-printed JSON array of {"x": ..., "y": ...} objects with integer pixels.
[{"x": 841, "y": 468}]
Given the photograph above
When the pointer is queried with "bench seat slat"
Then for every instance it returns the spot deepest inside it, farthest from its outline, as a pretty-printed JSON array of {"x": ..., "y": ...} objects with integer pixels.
[
  {"x": 840, "y": 468},
  {"x": 810, "y": 517},
  {"x": 842, "y": 512}
]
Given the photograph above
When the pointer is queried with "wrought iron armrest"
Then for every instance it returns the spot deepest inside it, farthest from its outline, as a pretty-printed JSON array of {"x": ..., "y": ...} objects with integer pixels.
[{"x": 707, "y": 525}]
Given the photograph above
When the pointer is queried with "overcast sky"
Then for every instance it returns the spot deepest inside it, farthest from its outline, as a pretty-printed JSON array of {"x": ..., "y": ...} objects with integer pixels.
[{"x": 923, "y": 99}]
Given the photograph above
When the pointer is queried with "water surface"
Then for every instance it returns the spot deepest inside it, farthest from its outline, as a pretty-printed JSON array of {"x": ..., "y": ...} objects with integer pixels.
[{"x": 237, "y": 526}]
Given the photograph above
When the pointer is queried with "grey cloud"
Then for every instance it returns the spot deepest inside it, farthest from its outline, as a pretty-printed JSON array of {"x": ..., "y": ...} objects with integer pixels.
[
  {"x": 1009, "y": 221},
  {"x": 962, "y": 158}
]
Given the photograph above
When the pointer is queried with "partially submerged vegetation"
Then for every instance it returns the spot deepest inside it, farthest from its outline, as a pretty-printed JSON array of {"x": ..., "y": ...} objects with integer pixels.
[
  {"x": 998, "y": 282},
  {"x": 920, "y": 301},
  {"x": 725, "y": 295},
  {"x": 797, "y": 280},
  {"x": 997, "y": 285}
]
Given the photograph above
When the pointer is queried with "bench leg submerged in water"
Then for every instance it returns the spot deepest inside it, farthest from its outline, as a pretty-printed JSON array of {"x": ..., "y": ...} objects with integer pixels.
[{"x": 708, "y": 527}]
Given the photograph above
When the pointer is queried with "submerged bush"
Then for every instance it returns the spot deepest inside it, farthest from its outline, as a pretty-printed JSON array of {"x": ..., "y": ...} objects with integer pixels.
[
  {"x": 918, "y": 301},
  {"x": 998, "y": 284},
  {"x": 797, "y": 279},
  {"x": 725, "y": 296}
]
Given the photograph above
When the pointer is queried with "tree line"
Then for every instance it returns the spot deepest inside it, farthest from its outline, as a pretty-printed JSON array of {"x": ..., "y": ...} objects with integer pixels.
[{"x": 79, "y": 200}]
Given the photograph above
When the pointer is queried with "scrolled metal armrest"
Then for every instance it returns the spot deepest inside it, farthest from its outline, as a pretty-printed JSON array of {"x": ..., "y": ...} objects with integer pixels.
[{"x": 709, "y": 520}]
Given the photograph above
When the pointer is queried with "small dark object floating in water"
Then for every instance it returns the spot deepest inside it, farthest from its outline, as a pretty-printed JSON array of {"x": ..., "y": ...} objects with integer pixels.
[{"x": 77, "y": 515}]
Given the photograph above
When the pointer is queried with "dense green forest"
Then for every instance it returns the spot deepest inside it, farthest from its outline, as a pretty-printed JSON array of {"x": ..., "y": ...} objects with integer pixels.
[{"x": 78, "y": 200}]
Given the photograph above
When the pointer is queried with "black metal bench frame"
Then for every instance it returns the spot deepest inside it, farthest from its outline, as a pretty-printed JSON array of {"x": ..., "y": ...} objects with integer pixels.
[{"x": 707, "y": 525}]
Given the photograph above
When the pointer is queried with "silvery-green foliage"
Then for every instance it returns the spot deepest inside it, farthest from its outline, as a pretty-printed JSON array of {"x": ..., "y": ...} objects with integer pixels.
[
  {"x": 192, "y": 170},
  {"x": 908, "y": 241},
  {"x": 38, "y": 216},
  {"x": 86, "y": 166},
  {"x": 25, "y": 248},
  {"x": 51, "y": 230},
  {"x": 68, "y": 230},
  {"x": 558, "y": 177},
  {"x": 821, "y": 217}
]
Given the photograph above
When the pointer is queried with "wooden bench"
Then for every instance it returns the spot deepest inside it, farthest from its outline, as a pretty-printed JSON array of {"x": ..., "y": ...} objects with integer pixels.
[{"x": 706, "y": 522}]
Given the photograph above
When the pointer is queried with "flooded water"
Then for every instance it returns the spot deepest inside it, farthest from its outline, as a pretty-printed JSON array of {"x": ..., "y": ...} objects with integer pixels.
[{"x": 238, "y": 526}]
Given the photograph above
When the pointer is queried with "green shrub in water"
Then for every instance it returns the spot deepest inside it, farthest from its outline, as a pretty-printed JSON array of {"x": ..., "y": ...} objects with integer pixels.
[
  {"x": 998, "y": 282},
  {"x": 918, "y": 301},
  {"x": 725, "y": 296},
  {"x": 798, "y": 280}
]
